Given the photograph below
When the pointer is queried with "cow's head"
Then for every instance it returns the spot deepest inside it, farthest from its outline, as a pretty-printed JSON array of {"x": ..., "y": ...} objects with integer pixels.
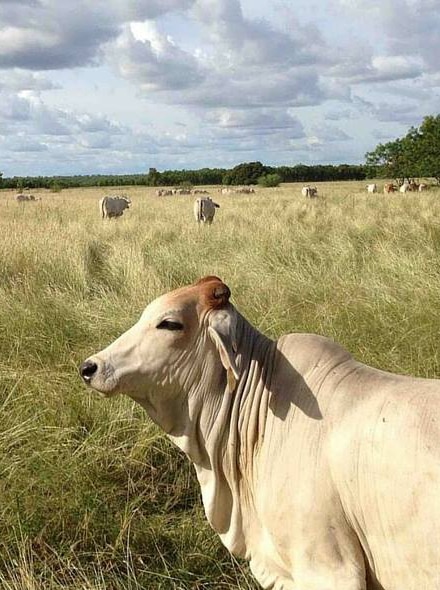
[{"x": 183, "y": 338}]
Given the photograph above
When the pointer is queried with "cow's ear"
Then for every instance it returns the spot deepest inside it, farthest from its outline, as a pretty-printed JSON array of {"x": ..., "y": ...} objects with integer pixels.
[{"x": 222, "y": 331}]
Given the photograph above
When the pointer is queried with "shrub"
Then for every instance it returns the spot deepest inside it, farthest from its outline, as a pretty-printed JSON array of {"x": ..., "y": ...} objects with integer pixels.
[{"x": 269, "y": 180}]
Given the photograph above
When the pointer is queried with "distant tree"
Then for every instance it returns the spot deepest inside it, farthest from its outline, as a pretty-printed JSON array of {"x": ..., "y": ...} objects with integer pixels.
[
  {"x": 269, "y": 180},
  {"x": 247, "y": 173},
  {"x": 428, "y": 147},
  {"x": 416, "y": 154},
  {"x": 153, "y": 177}
]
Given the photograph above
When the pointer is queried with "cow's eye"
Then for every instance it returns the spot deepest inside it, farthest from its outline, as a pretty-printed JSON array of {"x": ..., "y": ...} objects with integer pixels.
[{"x": 169, "y": 325}]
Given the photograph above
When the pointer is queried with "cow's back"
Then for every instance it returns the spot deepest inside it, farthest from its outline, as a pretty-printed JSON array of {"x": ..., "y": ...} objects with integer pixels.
[
  {"x": 364, "y": 446},
  {"x": 385, "y": 461}
]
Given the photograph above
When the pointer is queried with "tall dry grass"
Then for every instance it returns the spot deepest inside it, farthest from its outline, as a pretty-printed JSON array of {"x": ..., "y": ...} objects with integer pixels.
[{"x": 92, "y": 496}]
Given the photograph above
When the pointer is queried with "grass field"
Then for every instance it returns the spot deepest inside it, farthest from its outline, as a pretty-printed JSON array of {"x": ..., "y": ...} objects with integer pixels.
[{"x": 92, "y": 496}]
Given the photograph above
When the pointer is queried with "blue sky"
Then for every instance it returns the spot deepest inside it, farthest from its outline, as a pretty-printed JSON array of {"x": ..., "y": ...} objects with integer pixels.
[{"x": 118, "y": 86}]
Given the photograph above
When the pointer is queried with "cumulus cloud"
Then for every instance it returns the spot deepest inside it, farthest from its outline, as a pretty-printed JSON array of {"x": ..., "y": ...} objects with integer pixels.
[
  {"x": 152, "y": 60},
  {"x": 363, "y": 67},
  {"x": 252, "y": 42},
  {"x": 48, "y": 35},
  {"x": 53, "y": 35},
  {"x": 410, "y": 27},
  {"x": 243, "y": 61}
]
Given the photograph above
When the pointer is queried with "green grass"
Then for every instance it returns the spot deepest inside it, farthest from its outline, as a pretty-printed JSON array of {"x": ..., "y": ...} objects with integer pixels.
[{"x": 92, "y": 495}]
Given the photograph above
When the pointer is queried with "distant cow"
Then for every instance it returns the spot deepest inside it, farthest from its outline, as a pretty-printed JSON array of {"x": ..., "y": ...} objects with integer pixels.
[
  {"x": 423, "y": 187},
  {"x": 204, "y": 210},
  {"x": 404, "y": 188},
  {"x": 181, "y": 191},
  {"x": 163, "y": 192},
  {"x": 372, "y": 188},
  {"x": 389, "y": 187},
  {"x": 226, "y": 191},
  {"x": 247, "y": 190},
  {"x": 309, "y": 191},
  {"x": 21, "y": 198},
  {"x": 409, "y": 187},
  {"x": 113, "y": 206}
]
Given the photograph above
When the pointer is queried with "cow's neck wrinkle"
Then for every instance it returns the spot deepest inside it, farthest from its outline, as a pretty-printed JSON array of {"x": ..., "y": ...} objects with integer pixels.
[{"x": 228, "y": 434}]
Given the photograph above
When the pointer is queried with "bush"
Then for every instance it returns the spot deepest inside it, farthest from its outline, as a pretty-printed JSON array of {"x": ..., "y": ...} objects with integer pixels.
[
  {"x": 55, "y": 187},
  {"x": 268, "y": 180}
]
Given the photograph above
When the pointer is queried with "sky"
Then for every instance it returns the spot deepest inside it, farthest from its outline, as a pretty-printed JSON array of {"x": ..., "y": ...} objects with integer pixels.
[{"x": 119, "y": 86}]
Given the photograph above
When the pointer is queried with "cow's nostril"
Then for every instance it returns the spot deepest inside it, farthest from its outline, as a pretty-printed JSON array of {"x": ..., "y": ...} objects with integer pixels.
[{"x": 87, "y": 370}]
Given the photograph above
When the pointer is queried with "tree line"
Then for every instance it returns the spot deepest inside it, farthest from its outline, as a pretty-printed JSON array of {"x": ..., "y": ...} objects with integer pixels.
[
  {"x": 417, "y": 154},
  {"x": 243, "y": 174}
]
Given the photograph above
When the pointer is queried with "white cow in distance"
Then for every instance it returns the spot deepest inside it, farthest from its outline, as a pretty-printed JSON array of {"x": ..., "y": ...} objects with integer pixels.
[
  {"x": 321, "y": 471},
  {"x": 372, "y": 188},
  {"x": 204, "y": 210},
  {"x": 409, "y": 187},
  {"x": 113, "y": 206},
  {"x": 309, "y": 191}
]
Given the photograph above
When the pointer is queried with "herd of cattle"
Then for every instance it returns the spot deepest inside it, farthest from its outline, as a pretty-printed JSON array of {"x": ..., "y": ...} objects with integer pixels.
[
  {"x": 204, "y": 207},
  {"x": 166, "y": 192},
  {"x": 406, "y": 187}
]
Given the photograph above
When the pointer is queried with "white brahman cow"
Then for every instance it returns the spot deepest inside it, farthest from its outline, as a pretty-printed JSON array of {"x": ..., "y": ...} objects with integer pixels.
[
  {"x": 321, "y": 471},
  {"x": 404, "y": 188},
  {"x": 309, "y": 191},
  {"x": 113, "y": 206},
  {"x": 409, "y": 187},
  {"x": 372, "y": 188},
  {"x": 204, "y": 210}
]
